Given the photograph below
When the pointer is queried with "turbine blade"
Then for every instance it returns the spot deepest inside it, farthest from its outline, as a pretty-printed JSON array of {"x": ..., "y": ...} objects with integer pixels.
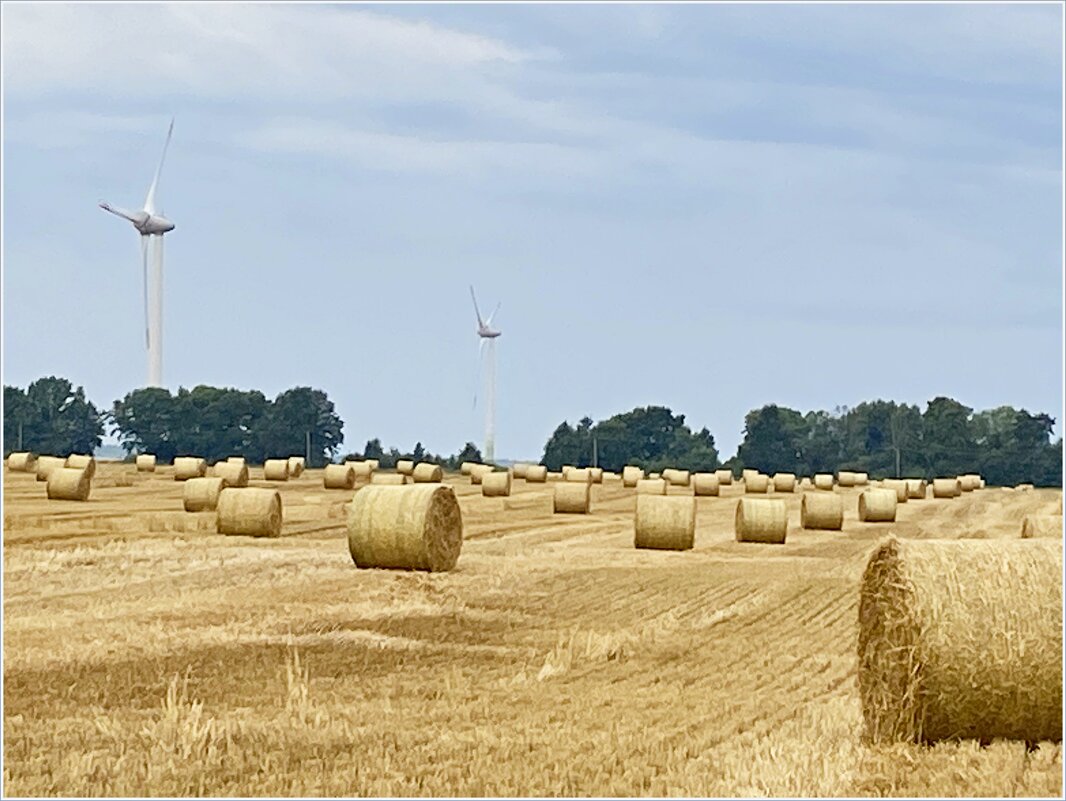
[
  {"x": 149, "y": 202},
  {"x": 476, "y": 310},
  {"x": 144, "y": 287},
  {"x": 488, "y": 322},
  {"x": 123, "y": 213}
]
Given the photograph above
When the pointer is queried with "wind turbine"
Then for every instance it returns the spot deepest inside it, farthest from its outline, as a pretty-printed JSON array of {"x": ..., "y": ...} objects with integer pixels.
[
  {"x": 151, "y": 225},
  {"x": 488, "y": 336}
]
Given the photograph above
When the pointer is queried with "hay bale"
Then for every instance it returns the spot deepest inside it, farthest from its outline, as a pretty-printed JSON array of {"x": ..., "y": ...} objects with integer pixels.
[
  {"x": 899, "y": 486},
  {"x": 961, "y": 639},
  {"x": 581, "y": 475},
  {"x": 877, "y": 506},
  {"x": 186, "y": 467},
  {"x": 1019, "y": 488},
  {"x": 945, "y": 487},
  {"x": 823, "y": 481},
  {"x": 466, "y": 467},
  {"x": 758, "y": 483},
  {"x": 565, "y": 470},
  {"x": 595, "y": 475},
  {"x": 145, "y": 463},
  {"x": 235, "y": 473},
  {"x": 236, "y": 460},
  {"x": 479, "y": 471},
  {"x": 405, "y": 467},
  {"x": 69, "y": 484},
  {"x": 46, "y": 464},
  {"x": 418, "y": 527},
  {"x": 725, "y": 477},
  {"x": 362, "y": 471},
  {"x": 665, "y": 523},
  {"x": 654, "y": 476},
  {"x": 784, "y": 482},
  {"x": 201, "y": 494},
  {"x": 631, "y": 475},
  {"x": 821, "y": 511},
  {"x": 496, "y": 484},
  {"x": 80, "y": 461},
  {"x": 536, "y": 474},
  {"x": 845, "y": 478},
  {"x": 1042, "y": 526},
  {"x": 981, "y": 485},
  {"x": 969, "y": 482},
  {"x": 338, "y": 476},
  {"x": 374, "y": 463},
  {"x": 609, "y": 476},
  {"x": 916, "y": 488},
  {"x": 651, "y": 486},
  {"x": 704, "y": 484},
  {"x": 747, "y": 473},
  {"x": 388, "y": 479},
  {"x": 22, "y": 462},
  {"x": 276, "y": 470},
  {"x": 861, "y": 479},
  {"x": 761, "y": 520},
  {"x": 572, "y": 497},
  {"x": 296, "y": 466},
  {"x": 426, "y": 473},
  {"x": 677, "y": 478},
  {"x": 520, "y": 469},
  {"x": 553, "y": 476},
  {"x": 250, "y": 511}
]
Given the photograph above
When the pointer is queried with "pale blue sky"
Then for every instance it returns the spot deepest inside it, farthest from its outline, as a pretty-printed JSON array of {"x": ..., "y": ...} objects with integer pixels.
[{"x": 709, "y": 207}]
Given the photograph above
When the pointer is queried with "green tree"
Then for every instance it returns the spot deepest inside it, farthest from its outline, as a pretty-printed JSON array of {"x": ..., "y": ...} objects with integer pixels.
[
  {"x": 948, "y": 446},
  {"x": 296, "y": 414},
  {"x": 773, "y": 440},
  {"x": 59, "y": 420},
  {"x": 145, "y": 422},
  {"x": 16, "y": 409}
]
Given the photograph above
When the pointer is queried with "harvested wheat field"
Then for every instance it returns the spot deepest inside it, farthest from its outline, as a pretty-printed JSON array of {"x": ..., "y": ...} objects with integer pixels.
[{"x": 145, "y": 654}]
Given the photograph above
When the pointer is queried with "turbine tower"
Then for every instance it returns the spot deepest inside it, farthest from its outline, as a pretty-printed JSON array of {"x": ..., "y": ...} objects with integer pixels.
[
  {"x": 487, "y": 352},
  {"x": 151, "y": 225}
]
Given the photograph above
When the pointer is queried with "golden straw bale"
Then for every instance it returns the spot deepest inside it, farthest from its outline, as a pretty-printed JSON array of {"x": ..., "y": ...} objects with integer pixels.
[
  {"x": 388, "y": 479},
  {"x": 761, "y": 520},
  {"x": 69, "y": 484},
  {"x": 553, "y": 476},
  {"x": 747, "y": 473},
  {"x": 581, "y": 475},
  {"x": 417, "y": 527},
  {"x": 1042, "y": 526},
  {"x": 945, "y": 487},
  {"x": 235, "y": 473},
  {"x": 536, "y": 474},
  {"x": 479, "y": 471},
  {"x": 821, "y": 511},
  {"x": 704, "y": 484},
  {"x": 426, "y": 473},
  {"x": 405, "y": 467},
  {"x": 969, "y": 482},
  {"x": 1019, "y": 488},
  {"x": 565, "y": 470},
  {"x": 784, "y": 482},
  {"x": 651, "y": 486},
  {"x": 677, "y": 478},
  {"x": 236, "y": 460},
  {"x": 296, "y": 466},
  {"x": 725, "y": 477},
  {"x": 961, "y": 639},
  {"x": 362, "y": 471},
  {"x": 823, "y": 481},
  {"x": 46, "y": 464},
  {"x": 654, "y": 476},
  {"x": 22, "y": 462},
  {"x": 572, "y": 497},
  {"x": 916, "y": 488},
  {"x": 609, "y": 476},
  {"x": 276, "y": 469},
  {"x": 877, "y": 506},
  {"x": 145, "y": 463},
  {"x": 595, "y": 475},
  {"x": 899, "y": 486},
  {"x": 251, "y": 511},
  {"x": 520, "y": 469},
  {"x": 375, "y": 464},
  {"x": 186, "y": 467},
  {"x": 666, "y": 523},
  {"x": 496, "y": 484},
  {"x": 861, "y": 479},
  {"x": 845, "y": 478},
  {"x": 201, "y": 494},
  {"x": 981, "y": 485},
  {"x": 466, "y": 467},
  {"x": 631, "y": 475},
  {"x": 758, "y": 483},
  {"x": 338, "y": 476},
  {"x": 80, "y": 461}
]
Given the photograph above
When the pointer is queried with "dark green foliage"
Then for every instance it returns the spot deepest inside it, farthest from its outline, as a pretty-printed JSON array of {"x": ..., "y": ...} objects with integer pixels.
[{"x": 54, "y": 417}]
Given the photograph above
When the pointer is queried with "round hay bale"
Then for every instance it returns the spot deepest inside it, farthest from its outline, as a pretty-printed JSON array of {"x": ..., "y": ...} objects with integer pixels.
[
  {"x": 362, "y": 471},
  {"x": 22, "y": 462},
  {"x": 654, "y": 476},
  {"x": 405, "y": 467},
  {"x": 861, "y": 479},
  {"x": 758, "y": 483},
  {"x": 784, "y": 482},
  {"x": 916, "y": 488},
  {"x": 296, "y": 466},
  {"x": 250, "y": 511},
  {"x": 46, "y": 464},
  {"x": 981, "y": 485},
  {"x": 899, "y": 486},
  {"x": 479, "y": 471},
  {"x": 761, "y": 520},
  {"x": 236, "y": 460},
  {"x": 582, "y": 475},
  {"x": 846, "y": 478},
  {"x": 823, "y": 481},
  {"x": 69, "y": 484},
  {"x": 565, "y": 470},
  {"x": 725, "y": 477},
  {"x": 704, "y": 484},
  {"x": 961, "y": 639},
  {"x": 877, "y": 506},
  {"x": 201, "y": 494},
  {"x": 1042, "y": 526},
  {"x": 496, "y": 484},
  {"x": 677, "y": 478},
  {"x": 466, "y": 467},
  {"x": 82, "y": 461},
  {"x": 969, "y": 482},
  {"x": 186, "y": 467},
  {"x": 945, "y": 487},
  {"x": 747, "y": 473},
  {"x": 665, "y": 523},
  {"x": 145, "y": 463},
  {"x": 651, "y": 486},
  {"x": 536, "y": 474},
  {"x": 374, "y": 464},
  {"x": 276, "y": 470},
  {"x": 1019, "y": 488},
  {"x": 595, "y": 475},
  {"x": 338, "y": 476},
  {"x": 609, "y": 476},
  {"x": 235, "y": 473},
  {"x": 418, "y": 527},
  {"x": 388, "y": 479},
  {"x": 572, "y": 497},
  {"x": 520, "y": 469},
  {"x": 631, "y": 475},
  {"x": 426, "y": 473},
  {"x": 821, "y": 511}
]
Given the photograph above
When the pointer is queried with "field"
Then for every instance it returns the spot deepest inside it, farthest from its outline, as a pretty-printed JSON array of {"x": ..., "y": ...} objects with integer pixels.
[{"x": 146, "y": 655}]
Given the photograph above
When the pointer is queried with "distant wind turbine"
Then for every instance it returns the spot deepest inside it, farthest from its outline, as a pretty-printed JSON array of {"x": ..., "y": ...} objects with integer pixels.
[
  {"x": 151, "y": 226},
  {"x": 487, "y": 352}
]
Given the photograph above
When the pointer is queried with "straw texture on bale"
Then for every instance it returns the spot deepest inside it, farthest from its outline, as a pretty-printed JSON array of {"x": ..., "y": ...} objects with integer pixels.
[
  {"x": 580, "y": 475},
  {"x": 69, "y": 484},
  {"x": 846, "y": 478},
  {"x": 704, "y": 484},
  {"x": 666, "y": 523},
  {"x": 677, "y": 478},
  {"x": 861, "y": 479},
  {"x": 821, "y": 511},
  {"x": 466, "y": 467},
  {"x": 186, "y": 467},
  {"x": 145, "y": 463},
  {"x": 296, "y": 466},
  {"x": 276, "y": 469},
  {"x": 877, "y": 506},
  {"x": 46, "y": 464},
  {"x": 250, "y": 511},
  {"x": 426, "y": 473},
  {"x": 520, "y": 469},
  {"x": 595, "y": 475},
  {"x": 405, "y": 467},
  {"x": 725, "y": 477},
  {"x": 757, "y": 483},
  {"x": 388, "y": 479},
  {"x": 201, "y": 494},
  {"x": 916, "y": 488},
  {"x": 651, "y": 486},
  {"x": 961, "y": 639},
  {"x": 361, "y": 470},
  {"x": 82, "y": 462},
  {"x": 823, "y": 481},
  {"x": 784, "y": 482},
  {"x": 235, "y": 473},
  {"x": 631, "y": 475},
  {"x": 536, "y": 474},
  {"x": 1042, "y": 526},
  {"x": 898, "y": 486},
  {"x": 572, "y": 497},
  {"x": 945, "y": 487},
  {"x": 338, "y": 476},
  {"x": 496, "y": 484},
  {"x": 22, "y": 462},
  {"x": 761, "y": 520},
  {"x": 479, "y": 471},
  {"x": 417, "y": 527}
]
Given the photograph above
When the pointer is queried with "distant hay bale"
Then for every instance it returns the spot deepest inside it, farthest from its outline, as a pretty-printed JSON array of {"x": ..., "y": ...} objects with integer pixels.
[
  {"x": 426, "y": 473},
  {"x": 821, "y": 511},
  {"x": 186, "y": 467},
  {"x": 553, "y": 476},
  {"x": 82, "y": 461},
  {"x": 249, "y": 511},
  {"x": 145, "y": 463},
  {"x": 981, "y": 485},
  {"x": 761, "y": 520},
  {"x": 845, "y": 478},
  {"x": 276, "y": 470},
  {"x": 571, "y": 497},
  {"x": 405, "y": 467},
  {"x": 725, "y": 477},
  {"x": 945, "y": 487},
  {"x": 1019, "y": 488},
  {"x": 581, "y": 475},
  {"x": 22, "y": 462},
  {"x": 823, "y": 481},
  {"x": 565, "y": 470},
  {"x": 877, "y": 506},
  {"x": 296, "y": 466},
  {"x": 784, "y": 482},
  {"x": 704, "y": 484},
  {"x": 338, "y": 476},
  {"x": 417, "y": 527},
  {"x": 496, "y": 484},
  {"x": 747, "y": 473},
  {"x": 479, "y": 471},
  {"x": 595, "y": 475},
  {"x": 899, "y": 486},
  {"x": 654, "y": 475},
  {"x": 536, "y": 474},
  {"x": 665, "y": 523},
  {"x": 236, "y": 460},
  {"x": 758, "y": 483},
  {"x": 861, "y": 479},
  {"x": 651, "y": 486},
  {"x": 916, "y": 488},
  {"x": 374, "y": 464},
  {"x": 961, "y": 639},
  {"x": 609, "y": 476},
  {"x": 677, "y": 478},
  {"x": 46, "y": 464},
  {"x": 69, "y": 484},
  {"x": 969, "y": 482},
  {"x": 362, "y": 471},
  {"x": 235, "y": 473},
  {"x": 466, "y": 467},
  {"x": 201, "y": 494},
  {"x": 631, "y": 475},
  {"x": 1042, "y": 526},
  {"x": 520, "y": 469},
  {"x": 388, "y": 479}
]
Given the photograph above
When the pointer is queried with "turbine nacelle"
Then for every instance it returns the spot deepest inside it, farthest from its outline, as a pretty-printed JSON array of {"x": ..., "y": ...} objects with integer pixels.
[{"x": 144, "y": 222}]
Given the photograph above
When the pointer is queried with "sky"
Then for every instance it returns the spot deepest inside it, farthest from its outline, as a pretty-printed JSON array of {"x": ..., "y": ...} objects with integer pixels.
[{"x": 708, "y": 207}]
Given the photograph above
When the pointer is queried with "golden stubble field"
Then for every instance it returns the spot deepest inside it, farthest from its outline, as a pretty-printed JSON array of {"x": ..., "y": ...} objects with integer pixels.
[{"x": 146, "y": 655}]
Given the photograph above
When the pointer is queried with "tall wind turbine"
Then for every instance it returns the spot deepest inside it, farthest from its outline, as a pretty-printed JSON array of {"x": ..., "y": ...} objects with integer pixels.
[
  {"x": 151, "y": 225},
  {"x": 487, "y": 352}
]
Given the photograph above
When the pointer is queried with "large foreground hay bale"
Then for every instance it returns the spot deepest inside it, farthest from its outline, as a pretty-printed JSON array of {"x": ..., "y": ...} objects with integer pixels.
[
  {"x": 631, "y": 475},
  {"x": 651, "y": 486},
  {"x": 761, "y": 520},
  {"x": 235, "y": 473},
  {"x": 898, "y": 486},
  {"x": 201, "y": 494},
  {"x": 296, "y": 466},
  {"x": 704, "y": 484},
  {"x": 81, "y": 461},
  {"x": 845, "y": 478},
  {"x": 677, "y": 478},
  {"x": 417, "y": 527},
  {"x": 945, "y": 487},
  {"x": 578, "y": 474},
  {"x": 758, "y": 483},
  {"x": 338, "y": 476},
  {"x": 362, "y": 471},
  {"x": 667, "y": 523},
  {"x": 784, "y": 482},
  {"x": 145, "y": 462},
  {"x": 426, "y": 473},
  {"x": 877, "y": 506},
  {"x": 1042, "y": 526},
  {"x": 496, "y": 484},
  {"x": 186, "y": 467},
  {"x": 916, "y": 489},
  {"x": 46, "y": 464},
  {"x": 276, "y": 469},
  {"x": 725, "y": 477},
  {"x": 962, "y": 639},
  {"x": 388, "y": 479},
  {"x": 69, "y": 484},
  {"x": 823, "y": 481},
  {"x": 572, "y": 497},
  {"x": 22, "y": 462},
  {"x": 405, "y": 467},
  {"x": 821, "y": 511},
  {"x": 251, "y": 511},
  {"x": 479, "y": 471},
  {"x": 536, "y": 474}
]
